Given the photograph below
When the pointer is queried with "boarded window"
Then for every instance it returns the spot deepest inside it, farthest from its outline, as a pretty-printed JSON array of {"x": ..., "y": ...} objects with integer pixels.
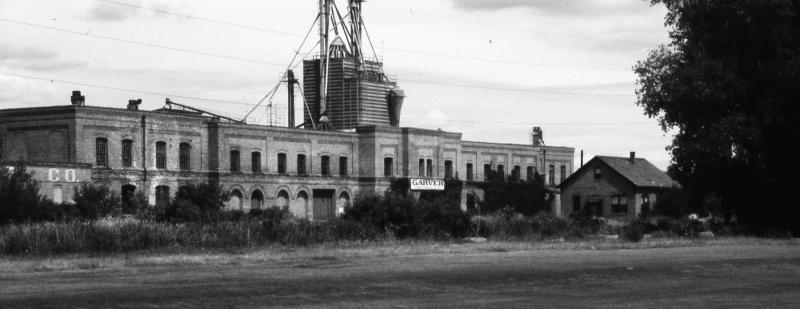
[
  {"x": 469, "y": 171},
  {"x": 301, "y": 164},
  {"x": 184, "y": 156},
  {"x": 448, "y": 169},
  {"x": 325, "y": 165},
  {"x": 58, "y": 195},
  {"x": 235, "y": 167},
  {"x": 255, "y": 162},
  {"x": 127, "y": 153},
  {"x": 619, "y": 204},
  {"x": 101, "y": 152},
  {"x": 343, "y": 166},
  {"x": 161, "y": 155},
  {"x": 388, "y": 167},
  {"x": 281, "y": 163}
]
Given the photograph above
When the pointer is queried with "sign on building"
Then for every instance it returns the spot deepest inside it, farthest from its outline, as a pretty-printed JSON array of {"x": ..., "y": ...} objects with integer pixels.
[{"x": 427, "y": 184}]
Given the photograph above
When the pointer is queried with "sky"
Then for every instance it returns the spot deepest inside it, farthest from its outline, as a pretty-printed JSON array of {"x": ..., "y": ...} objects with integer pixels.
[{"x": 490, "y": 69}]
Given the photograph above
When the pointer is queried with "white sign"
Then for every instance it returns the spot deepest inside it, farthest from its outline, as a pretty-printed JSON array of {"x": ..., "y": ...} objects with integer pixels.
[{"x": 427, "y": 184}]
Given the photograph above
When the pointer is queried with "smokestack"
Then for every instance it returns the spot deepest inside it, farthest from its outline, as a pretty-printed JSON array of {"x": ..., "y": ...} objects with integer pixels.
[
  {"x": 77, "y": 99},
  {"x": 133, "y": 105},
  {"x": 396, "y": 98},
  {"x": 633, "y": 156},
  {"x": 291, "y": 81}
]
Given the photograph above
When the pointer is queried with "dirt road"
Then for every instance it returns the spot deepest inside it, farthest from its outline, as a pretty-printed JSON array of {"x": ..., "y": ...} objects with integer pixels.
[{"x": 765, "y": 276}]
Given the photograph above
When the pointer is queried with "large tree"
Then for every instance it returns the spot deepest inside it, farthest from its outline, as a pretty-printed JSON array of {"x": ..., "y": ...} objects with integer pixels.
[{"x": 728, "y": 85}]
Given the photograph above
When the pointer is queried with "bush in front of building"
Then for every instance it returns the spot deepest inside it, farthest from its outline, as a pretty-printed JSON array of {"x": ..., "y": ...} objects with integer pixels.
[
  {"x": 96, "y": 201},
  {"x": 525, "y": 197},
  {"x": 194, "y": 202},
  {"x": 20, "y": 200}
]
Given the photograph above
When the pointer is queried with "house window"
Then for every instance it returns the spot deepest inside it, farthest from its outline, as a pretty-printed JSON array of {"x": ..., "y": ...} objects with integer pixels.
[
  {"x": 422, "y": 167},
  {"x": 551, "y": 174},
  {"x": 325, "y": 164},
  {"x": 255, "y": 162},
  {"x": 343, "y": 166},
  {"x": 576, "y": 203},
  {"x": 563, "y": 173},
  {"x": 162, "y": 194},
  {"x": 487, "y": 171},
  {"x": 301, "y": 164},
  {"x": 388, "y": 167},
  {"x": 531, "y": 173},
  {"x": 161, "y": 155},
  {"x": 184, "y": 156},
  {"x": 516, "y": 173},
  {"x": 281, "y": 163},
  {"x": 235, "y": 161},
  {"x": 101, "y": 152},
  {"x": 619, "y": 204},
  {"x": 598, "y": 174},
  {"x": 448, "y": 169},
  {"x": 429, "y": 167},
  {"x": 127, "y": 153},
  {"x": 469, "y": 171}
]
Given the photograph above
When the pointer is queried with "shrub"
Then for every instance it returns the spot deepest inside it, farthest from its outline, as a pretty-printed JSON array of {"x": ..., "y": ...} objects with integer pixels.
[
  {"x": 19, "y": 196},
  {"x": 195, "y": 202},
  {"x": 634, "y": 231},
  {"x": 94, "y": 201}
]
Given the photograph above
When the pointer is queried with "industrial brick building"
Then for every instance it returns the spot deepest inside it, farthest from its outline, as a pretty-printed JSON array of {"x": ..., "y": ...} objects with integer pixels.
[{"x": 350, "y": 142}]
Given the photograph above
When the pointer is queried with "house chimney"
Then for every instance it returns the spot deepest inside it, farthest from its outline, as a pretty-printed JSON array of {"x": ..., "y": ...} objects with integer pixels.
[
  {"x": 581, "y": 157},
  {"x": 538, "y": 136},
  {"x": 133, "y": 105},
  {"x": 77, "y": 99},
  {"x": 633, "y": 157}
]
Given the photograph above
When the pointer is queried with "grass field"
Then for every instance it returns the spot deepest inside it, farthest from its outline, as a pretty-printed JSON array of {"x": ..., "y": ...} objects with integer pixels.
[{"x": 679, "y": 273}]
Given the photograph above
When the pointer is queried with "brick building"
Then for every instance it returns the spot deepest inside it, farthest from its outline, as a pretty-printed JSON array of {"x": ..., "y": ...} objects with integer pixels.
[
  {"x": 614, "y": 187},
  {"x": 313, "y": 172}
]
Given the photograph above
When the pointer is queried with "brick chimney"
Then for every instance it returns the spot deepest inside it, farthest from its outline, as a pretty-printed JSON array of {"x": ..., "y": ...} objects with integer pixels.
[
  {"x": 633, "y": 157},
  {"x": 77, "y": 99},
  {"x": 133, "y": 105}
]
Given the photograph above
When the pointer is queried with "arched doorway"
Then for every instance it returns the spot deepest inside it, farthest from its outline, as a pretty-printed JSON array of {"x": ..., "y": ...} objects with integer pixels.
[
  {"x": 282, "y": 200},
  {"x": 301, "y": 205},
  {"x": 235, "y": 202},
  {"x": 128, "y": 193},
  {"x": 256, "y": 200},
  {"x": 342, "y": 202}
]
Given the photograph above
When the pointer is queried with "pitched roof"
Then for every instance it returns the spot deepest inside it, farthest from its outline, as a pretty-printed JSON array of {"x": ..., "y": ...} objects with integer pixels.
[{"x": 640, "y": 172}]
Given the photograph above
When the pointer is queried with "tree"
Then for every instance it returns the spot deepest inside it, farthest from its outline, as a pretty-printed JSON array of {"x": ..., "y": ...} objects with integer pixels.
[
  {"x": 19, "y": 195},
  {"x": 197, "y": 202},
  {"x": 95, "y": 201},
  {"x": 728, "y": 85}
]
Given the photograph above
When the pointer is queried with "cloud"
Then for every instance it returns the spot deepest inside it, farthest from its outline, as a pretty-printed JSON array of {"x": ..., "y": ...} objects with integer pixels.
[
  {"x": 33, "y": 59},
  {"x": 554, "y": 7}
]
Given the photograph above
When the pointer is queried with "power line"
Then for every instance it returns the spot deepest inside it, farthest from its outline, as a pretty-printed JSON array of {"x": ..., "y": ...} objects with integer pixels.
[
  {"x": 109, "y": 38},
  {"x": 513, "y": 89},
  {"x": 407, "y": 51},
  {"x": 541, "y": 123},
  {"x": 210, "y": 20}
]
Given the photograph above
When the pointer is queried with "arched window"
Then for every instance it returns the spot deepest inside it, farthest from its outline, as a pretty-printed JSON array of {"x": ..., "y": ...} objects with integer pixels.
[
  {"x": 235, "y": 167},
  {"x": 388, "y": 166},
  {"x": 235, "y": 202},
  {"x": 161, "y": 155},
  {"x": 472, "y": 203},
  {"x": 301, "y": 164},
  {"x": 470, "y": 172},
  {"x": 101, "y": 152},
  {"x": 342, "y": 202},
  {"x": 281, "y": 163},
  {"x": 302, "y": 203},
  {"x": 551, "y": 174},
  {"x": 516, "y": 173},
  {"x": 422, "y": 167},
  {"x": 58, "y": 194},
  {"x": 343, "y": 166},
  {"x": 184, "y": 156},
  {"x": 531, "y": 173},
  {"x": 487, "y": 171},
  {"x": 429, "y": 167},
  {"x": 501, "y": 172},
  {"x": 255, "y": 163},
  {"x": 256, "y": 200},
  {"x": 127, "y": 153},
  {"x": 563, "y": 174},
  {"x": 128, "y": 193},
  {"x": 325, "y": 165}
]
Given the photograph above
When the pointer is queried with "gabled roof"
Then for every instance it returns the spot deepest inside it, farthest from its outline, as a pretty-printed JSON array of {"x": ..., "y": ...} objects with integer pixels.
[{"x": 641, "y": 173}]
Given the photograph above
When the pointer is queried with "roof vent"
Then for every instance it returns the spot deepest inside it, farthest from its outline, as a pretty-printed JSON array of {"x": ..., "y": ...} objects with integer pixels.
[{"x": 77, "y": 99}]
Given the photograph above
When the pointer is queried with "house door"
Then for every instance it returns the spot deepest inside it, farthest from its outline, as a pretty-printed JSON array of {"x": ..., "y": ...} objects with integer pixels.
[
  {"x": 324, "y": 205},
  {"x": 595, "y": 207}
]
